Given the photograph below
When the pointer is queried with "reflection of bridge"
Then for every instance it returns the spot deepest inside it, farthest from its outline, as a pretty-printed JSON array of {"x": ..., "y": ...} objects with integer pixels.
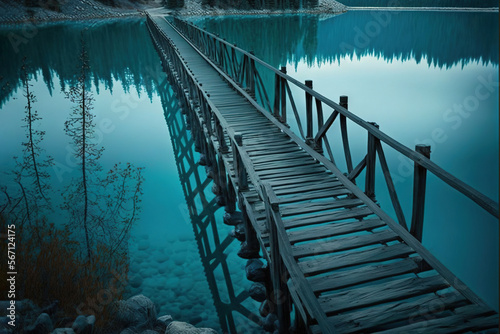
[
  {"x": 202, "y": 211},
  {"x": 336, "y": 261}
]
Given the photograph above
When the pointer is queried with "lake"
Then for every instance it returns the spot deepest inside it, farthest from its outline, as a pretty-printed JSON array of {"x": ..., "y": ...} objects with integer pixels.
[{"x": 417, "y": 74}]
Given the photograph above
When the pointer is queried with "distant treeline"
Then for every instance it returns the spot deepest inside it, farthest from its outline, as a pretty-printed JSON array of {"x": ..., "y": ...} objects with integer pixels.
[{"x": 421, "y": 3}]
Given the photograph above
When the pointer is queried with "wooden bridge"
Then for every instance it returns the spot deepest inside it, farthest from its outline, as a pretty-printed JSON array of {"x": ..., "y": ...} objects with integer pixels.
[{"x": 337, "y": 263}]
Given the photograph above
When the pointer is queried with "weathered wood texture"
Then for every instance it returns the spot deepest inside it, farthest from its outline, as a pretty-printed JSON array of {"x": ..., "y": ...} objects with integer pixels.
[{"x": 351, "y": 268}]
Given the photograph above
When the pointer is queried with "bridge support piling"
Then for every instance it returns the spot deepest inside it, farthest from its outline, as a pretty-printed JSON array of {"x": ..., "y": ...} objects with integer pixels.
[
  {"x": 250, "y": 247},
  {"x": 419, "y": 185},
  {"x": 239, "y": 168}
]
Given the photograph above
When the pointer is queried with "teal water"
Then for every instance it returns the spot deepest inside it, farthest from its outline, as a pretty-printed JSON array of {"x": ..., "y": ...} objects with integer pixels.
[
  {"x": 133, "y": 103},
  {"x": 424, "y": 77},
  {"x": 422, "y": 3},
  {"x": 400, "y": 78}
]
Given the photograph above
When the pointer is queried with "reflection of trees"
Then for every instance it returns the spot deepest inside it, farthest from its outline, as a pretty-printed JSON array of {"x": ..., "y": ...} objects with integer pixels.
[
  {"x": 444, "y": 38},
  {"x": 119, "y": 50}
]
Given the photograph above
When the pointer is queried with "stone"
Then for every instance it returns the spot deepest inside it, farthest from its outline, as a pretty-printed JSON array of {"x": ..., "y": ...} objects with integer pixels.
[
  {"x": 42, "y": 325},
  {"x": 63, "y": 331},
  {"x": 264, "y": 309},
  {"x": 163, "y": 322},
  {"x": 247, "y": 252},
  {"x": 255, "y": 271},
  {"x": 138, "y": 313},
  {"x": 238, "y": 232},
  {"x": 203, "y": 160},
  {"x": 81, "y": 325},
  {"x": 128, "y": 331},
  {"x": 233, "y": 218},
  {"x": 257, "y": 292},
  {"x": 149, "y": 331},
  {"x": 177, "y": 327},
  {"x": 91, "y": 320},
  {"x": 269, "y": 322},
  {"x": 135, "y": 281}
]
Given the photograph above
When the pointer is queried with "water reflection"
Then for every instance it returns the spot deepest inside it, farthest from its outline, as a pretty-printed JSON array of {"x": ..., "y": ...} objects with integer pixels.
[
  {"x": 236, "y": 311},
  {"x": 443, "y": 39},
  {"x": 52, "y": 50},
  {"x": 422, "y": 3}
]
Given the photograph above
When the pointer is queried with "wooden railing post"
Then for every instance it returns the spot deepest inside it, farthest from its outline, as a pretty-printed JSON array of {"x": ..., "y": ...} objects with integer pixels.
[
  {"x": 239, "y": 167},
  {"x": 345, "y": 137},
  {"x": 280, "y": 296},
  {"x": 309, "y": 118},
  {"x": 283, "y": 96},
  {"x": 370, "y": 164},
  {"x": 277, "y": 92},
  {"x": 252, "y": 75},
  {"x": 419, "y": 185}
]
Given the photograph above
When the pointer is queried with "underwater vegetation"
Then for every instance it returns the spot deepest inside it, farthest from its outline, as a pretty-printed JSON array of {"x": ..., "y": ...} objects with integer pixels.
[{"x": 74, "y": 261}]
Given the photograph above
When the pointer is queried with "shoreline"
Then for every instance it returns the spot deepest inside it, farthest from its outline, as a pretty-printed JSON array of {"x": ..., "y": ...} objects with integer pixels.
[{"x": 84, "y": 10}]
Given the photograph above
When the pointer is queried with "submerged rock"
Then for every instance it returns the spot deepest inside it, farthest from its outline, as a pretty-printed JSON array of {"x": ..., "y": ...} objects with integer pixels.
[
  {"x": 137, "y": 312},
  {"x": 82, "y": 325},
  {"x": 238, "y": 232},
  {"x": 233, "y": 218},
  {"x": 43, "y": 325},
  {"x": 270, "y": 322},
  {"x": 162, "y": 323},
  {"x": 258, "y": 292},
  {"x": 177, "y": 327},
  {"x": 247, "y": 252},
  {"x": 64, "y": 331},
  {"x": 255, "y": 271}
]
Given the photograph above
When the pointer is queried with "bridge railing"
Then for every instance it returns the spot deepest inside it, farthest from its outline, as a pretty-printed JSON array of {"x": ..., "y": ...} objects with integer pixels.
[
  {"x": 210, "y": 122},
  {"x": 247, "y": 71},
  {"x": 214, "y": 124}
]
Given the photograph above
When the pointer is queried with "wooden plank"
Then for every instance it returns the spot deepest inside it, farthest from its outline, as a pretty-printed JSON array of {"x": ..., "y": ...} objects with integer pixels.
[
  {"x": 304, "y": 180},
  {"x": 334, "y": 229},
  {"x": 318, "y": 206},
  {"x": 381, "y": 293},
  {"x": 347, "y": 278},
  {"x": 311, "y": 195},
  {"x": 341, "y": 244},
  {"x": 328, "y": 217},
  {"x": 307, "y": 169},
  {"x": 370, "y": 319},
  {"x": 382, "y": 253},
  {"x": 479, "y": 198},
  {"x": 450, "y": 324},
  {"x": 298, "y": 279},
  {"x": 297, "y": 174},
  {"x": 296, "y": 160},
  {"x": 328, "y": 184}
]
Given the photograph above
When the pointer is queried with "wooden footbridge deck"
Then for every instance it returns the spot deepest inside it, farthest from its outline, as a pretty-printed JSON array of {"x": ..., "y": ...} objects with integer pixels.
[{"x": 337, "y": 263}]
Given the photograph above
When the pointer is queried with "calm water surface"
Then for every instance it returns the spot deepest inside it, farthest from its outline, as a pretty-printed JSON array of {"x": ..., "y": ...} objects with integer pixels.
[
  {"x": 424, "y": 77},
  {"x": 408, "y": 75},
  {"x": 135, "y": 115}
]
